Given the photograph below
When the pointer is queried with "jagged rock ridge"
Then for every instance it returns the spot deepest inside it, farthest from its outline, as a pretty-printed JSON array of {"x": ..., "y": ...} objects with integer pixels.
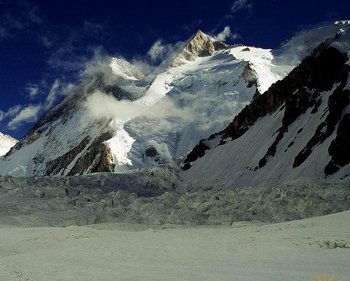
[
  {"x": 199, "y": 45},
  {"x": 200, "y": 96},
  {"x": 319, "y": 83},
  {"x": 165, "y": 114}
]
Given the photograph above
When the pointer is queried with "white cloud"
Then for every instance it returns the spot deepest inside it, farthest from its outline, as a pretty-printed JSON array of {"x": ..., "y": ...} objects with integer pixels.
[
  {"x": 159, "y": 54},
  {"x": 32, "y": 90},
  {"x": 66, "y": 59},
  {"x": 143, "y": 65},
  {"x": 159, "y": 51},
  {"x": 46, "y": 41},
  {"x": 239, "y": 5},
  {"x": 58, "y": 89},
  {"x": 226, "y": 34},
  {"x": 71, "y": 52},
  {"x": 21, "y": 16},
  {"x": 53, "y": 94},
  {"x": 13, "y": 111},
  {"x": 27, "y": 114},
  {"x": 20, "y": 114},
  {"x": 103, "y": 106},
  {"x": 99, "y": 63}
]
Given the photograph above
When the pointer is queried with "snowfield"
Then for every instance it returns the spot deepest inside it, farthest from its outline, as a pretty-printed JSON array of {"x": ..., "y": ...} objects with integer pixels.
[
  {"x": 157, "y": 197},
  {"x": 167, "y": 112},
  {"x": 261, "y": 61},
  {"x": 148, "y": 225},
  {"x": 155, "y": 119},
  {"x": 290, "y": 251},
  {"x": 223, "y": 219},
  {"x": 6, "y": 143}
]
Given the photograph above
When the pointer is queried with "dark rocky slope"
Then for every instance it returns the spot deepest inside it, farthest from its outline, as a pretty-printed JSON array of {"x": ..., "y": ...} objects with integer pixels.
[{"x": 303, "y": 89}]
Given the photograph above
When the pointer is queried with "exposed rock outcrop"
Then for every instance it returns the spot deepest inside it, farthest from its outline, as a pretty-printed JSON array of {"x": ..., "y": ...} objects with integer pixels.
[
  {"x": 199, "y": 45},
  {"x": 339, "y": 148},
  {"x": 302, "y": 90}
]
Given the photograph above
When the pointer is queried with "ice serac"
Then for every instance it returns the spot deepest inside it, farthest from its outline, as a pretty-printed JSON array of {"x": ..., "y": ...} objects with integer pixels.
[
  {"x": 6, "y": 143},
  {"x": 296, "y": 131}
]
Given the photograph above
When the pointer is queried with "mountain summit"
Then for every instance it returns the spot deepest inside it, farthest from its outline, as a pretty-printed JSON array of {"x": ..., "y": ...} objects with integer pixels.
[
  {"x": 109, "y": 124},
  {"x": 6, "y": 143},
  {"x": 115, "y": 121},
  {"x": 199, "y": 45},
  {"x": 297, "y": 131}
]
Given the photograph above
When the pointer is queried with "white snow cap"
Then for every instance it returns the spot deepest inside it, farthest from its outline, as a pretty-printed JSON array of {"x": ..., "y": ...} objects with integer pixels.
[
  {"x": 6, "y": 143},
  {"x": 126, "y": 70}
]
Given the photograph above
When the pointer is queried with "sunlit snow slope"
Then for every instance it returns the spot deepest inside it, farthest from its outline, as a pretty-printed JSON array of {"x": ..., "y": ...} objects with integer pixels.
[
  {"x": 6, "y": 143},
  {"x": 116, "y": 119},
  {"x": 298, "y": 131},
  {"x": 141, "y": 122}
]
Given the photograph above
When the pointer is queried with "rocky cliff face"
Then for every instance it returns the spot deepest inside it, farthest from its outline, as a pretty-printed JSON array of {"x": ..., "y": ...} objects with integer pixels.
[
  {"x": 319, "y": 86},
  {"x": 139, "y": 123},
  {"x": 114, "y": 122},
  {"x": 199, "y": 45},
  {"x": 66, "y": 141}
]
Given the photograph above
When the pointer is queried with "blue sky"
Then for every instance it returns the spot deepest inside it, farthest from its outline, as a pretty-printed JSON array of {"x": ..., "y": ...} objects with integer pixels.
[{"x": 45, "y": 44}]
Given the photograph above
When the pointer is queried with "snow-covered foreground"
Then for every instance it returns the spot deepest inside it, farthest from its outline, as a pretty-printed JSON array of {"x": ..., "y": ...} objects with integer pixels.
[
  {"x": 290, "y": 251},
  {"x": 157, "y": 197},
  {"x": 127, "y": 229}
]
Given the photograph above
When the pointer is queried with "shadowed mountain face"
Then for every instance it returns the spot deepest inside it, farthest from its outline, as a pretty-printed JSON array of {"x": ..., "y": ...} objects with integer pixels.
[
  {"x": 76, "y": 144},
  {"x": 117, "y": 119},
  {"x": 309, "y": 110}
]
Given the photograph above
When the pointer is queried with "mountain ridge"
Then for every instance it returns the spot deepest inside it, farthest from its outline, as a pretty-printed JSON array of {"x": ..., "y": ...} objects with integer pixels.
[
  {"x": 319, "y": 83},
  {"x": 199, "y": 45},
  {"x": 112, "y": 123},
  {"x": 6, "y": 143}
]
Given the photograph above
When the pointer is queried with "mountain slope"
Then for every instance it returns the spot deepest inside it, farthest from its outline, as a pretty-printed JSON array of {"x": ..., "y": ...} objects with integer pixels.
[
  {"x": 115, "y": 120},
  {"x": 297, "y": 131},
  {"x": 114, "y": 124},
  {"x": 126, "y": 70},
  {"x": 6, "y": 143}
]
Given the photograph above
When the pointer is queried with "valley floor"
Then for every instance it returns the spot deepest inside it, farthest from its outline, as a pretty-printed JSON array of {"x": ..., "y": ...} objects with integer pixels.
[{"x": 289, "y": 251}]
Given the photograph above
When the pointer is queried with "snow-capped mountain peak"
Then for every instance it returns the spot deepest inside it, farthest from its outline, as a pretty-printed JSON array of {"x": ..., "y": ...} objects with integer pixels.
[
  {"x": 126, "y": 70},
  {"x": 6, "y": 143},
  {"x": 297, "y": 131},
  {"x": 342, "y": 22},
  {"x": 199, "y": 45},
  {"x": 111, "y": 124},
  {"x": 200, "y": 36}
]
